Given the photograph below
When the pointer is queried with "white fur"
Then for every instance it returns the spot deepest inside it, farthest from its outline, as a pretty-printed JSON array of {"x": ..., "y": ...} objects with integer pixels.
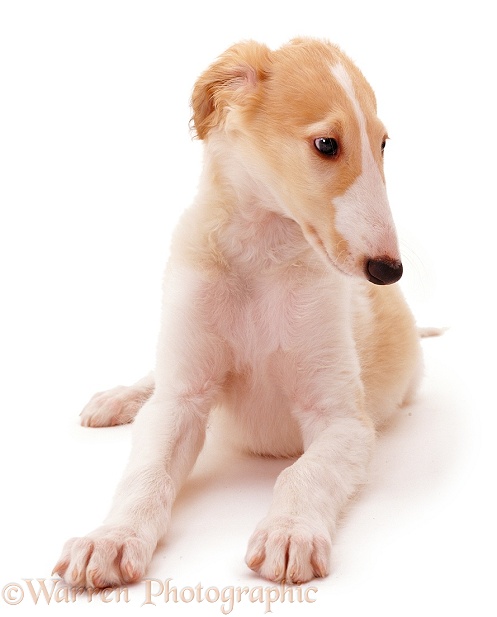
[
  {"x": 293, "y": 355},
  {"x": 363, "y": 212}
]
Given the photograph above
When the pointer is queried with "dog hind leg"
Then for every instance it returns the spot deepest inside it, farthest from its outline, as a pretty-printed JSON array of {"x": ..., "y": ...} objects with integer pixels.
[{"x": 118, "y": 405}]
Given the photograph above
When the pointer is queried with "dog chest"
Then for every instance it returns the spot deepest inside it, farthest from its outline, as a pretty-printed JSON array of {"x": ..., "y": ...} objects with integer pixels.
[{"x": 270, "y": 314}]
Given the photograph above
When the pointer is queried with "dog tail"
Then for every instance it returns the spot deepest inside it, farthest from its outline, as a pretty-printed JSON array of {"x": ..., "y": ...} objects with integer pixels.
[{"x": 427, "y": 332}]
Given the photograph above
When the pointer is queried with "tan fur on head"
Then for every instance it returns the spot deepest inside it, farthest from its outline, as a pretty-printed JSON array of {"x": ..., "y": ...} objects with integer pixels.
[
  {"x": 278, "y": 102},
  {"x": 229, "y": 82}
]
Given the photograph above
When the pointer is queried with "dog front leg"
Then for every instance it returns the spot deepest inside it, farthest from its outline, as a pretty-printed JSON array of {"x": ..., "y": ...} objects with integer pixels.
[
  {"x": 293, "y": 542},
  {"x": 168, "y": 434},
  {"x": 168, "y": 437}
]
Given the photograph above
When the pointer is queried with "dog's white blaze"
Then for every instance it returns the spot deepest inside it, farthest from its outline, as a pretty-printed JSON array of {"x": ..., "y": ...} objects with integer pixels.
[{"x": 363, "y": 214}]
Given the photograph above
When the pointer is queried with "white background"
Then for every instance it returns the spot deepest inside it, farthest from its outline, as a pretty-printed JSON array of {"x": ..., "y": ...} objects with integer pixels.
[{"x": 97, "y": 163}]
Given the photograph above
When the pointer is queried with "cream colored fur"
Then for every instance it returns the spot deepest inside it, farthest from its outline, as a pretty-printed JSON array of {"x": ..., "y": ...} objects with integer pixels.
[{"x": 269, "y": 321}]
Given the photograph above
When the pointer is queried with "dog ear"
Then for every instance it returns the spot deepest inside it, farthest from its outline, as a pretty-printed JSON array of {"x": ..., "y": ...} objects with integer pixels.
[{"x": 232, "y": 81}]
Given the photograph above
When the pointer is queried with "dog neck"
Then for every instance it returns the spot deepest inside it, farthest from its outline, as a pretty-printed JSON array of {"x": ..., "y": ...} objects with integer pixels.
[{"x": 244, "y": 219}]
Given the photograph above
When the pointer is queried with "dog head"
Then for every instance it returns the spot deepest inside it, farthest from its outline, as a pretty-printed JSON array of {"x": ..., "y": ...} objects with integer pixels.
[{"x": 301, "y": 123}]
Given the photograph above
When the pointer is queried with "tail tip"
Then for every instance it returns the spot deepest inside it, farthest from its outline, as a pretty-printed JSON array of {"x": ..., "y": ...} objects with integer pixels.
[{"x": 430, "y": 331}]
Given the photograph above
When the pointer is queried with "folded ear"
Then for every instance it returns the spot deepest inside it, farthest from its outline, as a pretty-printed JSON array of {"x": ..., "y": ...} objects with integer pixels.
[{"x": 231, "y": 82}]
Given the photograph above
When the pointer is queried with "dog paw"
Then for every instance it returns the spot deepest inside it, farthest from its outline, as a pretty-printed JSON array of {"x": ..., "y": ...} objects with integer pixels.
[
  {"x": 108, "y": 557},
  {"x": 289, "y": 549},
  {"x": 117, "y": 406}
]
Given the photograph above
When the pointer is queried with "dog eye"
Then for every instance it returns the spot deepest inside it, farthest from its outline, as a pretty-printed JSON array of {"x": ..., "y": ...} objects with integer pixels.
[
  {"x": 383, "y": 144},
  {"x": 327, "y": 146}
]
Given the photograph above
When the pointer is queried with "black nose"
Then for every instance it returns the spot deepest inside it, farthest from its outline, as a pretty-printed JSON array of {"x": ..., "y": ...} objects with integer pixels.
[{"x": 383, "y": 272}]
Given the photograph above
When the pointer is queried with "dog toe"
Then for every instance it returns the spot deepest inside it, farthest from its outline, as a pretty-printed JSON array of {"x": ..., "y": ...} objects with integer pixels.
[
  {"x": 291, "y": 550},
  {"x": 107, "y": 558}
]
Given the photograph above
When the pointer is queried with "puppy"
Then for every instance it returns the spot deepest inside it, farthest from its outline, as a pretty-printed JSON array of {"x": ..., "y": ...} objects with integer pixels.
[{"x": 278, "y": 314}]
